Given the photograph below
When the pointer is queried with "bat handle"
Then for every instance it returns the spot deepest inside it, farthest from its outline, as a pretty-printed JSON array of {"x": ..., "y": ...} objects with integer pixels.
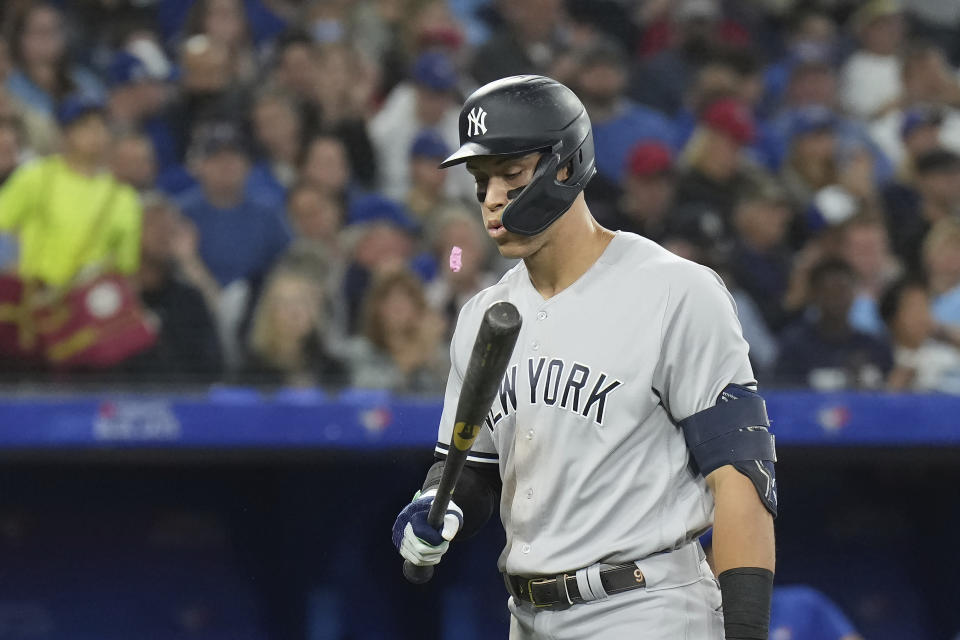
[{"x": 417, "y": 574}]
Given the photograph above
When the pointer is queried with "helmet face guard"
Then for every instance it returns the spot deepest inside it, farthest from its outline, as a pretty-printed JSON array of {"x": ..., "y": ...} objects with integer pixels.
[
  {"x": 536, "y": 206},
  {"x": 528, "y": 114}
]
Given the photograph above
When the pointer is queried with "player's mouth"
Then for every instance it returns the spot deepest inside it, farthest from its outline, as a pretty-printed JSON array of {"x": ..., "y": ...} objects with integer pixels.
[{"x": 495, "y": 228}]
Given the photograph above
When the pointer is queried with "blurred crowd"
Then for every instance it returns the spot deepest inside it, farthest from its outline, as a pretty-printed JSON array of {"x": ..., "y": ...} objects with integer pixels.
[{"x": 264, "y": 174}]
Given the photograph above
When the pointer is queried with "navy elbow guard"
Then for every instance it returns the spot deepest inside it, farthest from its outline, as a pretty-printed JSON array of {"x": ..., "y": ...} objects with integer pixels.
[{"x": 736, "y": 432}]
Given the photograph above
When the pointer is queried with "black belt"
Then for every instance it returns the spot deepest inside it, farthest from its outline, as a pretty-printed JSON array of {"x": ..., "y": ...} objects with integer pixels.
[{"x": 563, "y": 589}]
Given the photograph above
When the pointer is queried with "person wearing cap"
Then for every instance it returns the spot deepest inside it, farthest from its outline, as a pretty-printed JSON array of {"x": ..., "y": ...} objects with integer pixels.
[
  {"x": 138, "y": 97},
  {"x": 427, "y": 197},
  {"x": 427, "y": 101},
  {"x": 870, "y": 82},
  {"x": 66, "y": 210},
  {"x": 811, "y": 162},
  {"x": 648, "y": 189},
  {"x": 239, "y": 236},
  {"x": 714, "y": 167},
  {"x": 618, "y": 123}
]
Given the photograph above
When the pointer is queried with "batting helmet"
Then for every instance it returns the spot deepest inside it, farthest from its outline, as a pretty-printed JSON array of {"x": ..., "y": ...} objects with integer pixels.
[{"x": 520, "y": 115}]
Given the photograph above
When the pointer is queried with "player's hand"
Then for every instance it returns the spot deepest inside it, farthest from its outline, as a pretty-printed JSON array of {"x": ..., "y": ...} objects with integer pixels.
[{"x": 416, "y": 540}]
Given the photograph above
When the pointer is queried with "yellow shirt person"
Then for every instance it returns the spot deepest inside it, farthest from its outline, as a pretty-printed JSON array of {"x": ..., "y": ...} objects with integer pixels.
[{"x": 53, "y": 208}]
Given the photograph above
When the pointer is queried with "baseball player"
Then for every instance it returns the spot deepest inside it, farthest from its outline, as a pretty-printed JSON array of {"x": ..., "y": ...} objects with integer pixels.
[{"x": 628, "y": 421}]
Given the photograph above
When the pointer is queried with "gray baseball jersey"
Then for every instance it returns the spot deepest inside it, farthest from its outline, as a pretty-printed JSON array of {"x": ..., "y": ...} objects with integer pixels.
[{"x": 584, "y": 428}]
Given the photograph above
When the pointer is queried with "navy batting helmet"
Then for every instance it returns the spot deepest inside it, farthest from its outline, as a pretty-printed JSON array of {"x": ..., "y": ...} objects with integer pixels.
[{"x": 520, "y": 115}]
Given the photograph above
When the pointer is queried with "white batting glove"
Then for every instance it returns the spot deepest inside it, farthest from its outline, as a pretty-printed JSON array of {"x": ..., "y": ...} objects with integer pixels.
[{"x": 416, "y": 540}]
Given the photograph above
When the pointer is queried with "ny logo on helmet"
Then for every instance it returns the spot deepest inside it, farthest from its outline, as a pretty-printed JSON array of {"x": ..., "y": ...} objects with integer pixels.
[{"x": 476, "y": 122}]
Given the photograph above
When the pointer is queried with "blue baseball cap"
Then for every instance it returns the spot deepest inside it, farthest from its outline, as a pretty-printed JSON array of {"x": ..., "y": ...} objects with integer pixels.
[
  {"x": 436, "y": 71},
  {"x": 376, "y": 208},
  {"x": 126, "y": 69},
  {"x": 813, "y": 118},
  {"x": 917, "y": 117},
  {"x": 429, "y": 144},
  {"x": 74, "y": 107}
]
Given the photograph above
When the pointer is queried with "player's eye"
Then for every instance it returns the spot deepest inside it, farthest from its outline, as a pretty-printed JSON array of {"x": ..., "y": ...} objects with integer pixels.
[{"x": 513, "y": 175}]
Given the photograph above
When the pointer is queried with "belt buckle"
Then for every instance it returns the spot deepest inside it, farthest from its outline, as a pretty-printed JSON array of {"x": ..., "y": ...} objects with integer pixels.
[{"x": 537, "y": 581}]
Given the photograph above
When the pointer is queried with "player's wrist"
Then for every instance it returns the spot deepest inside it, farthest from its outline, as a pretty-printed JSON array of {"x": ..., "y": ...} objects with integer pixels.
[{"x": 747, "y": 592}]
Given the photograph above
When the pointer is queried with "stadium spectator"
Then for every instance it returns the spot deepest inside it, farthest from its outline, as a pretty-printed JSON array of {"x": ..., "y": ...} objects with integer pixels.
[
  {"x": 648, "y": 192},
  {"x": 239, "y": 236},
  {"x": 325, "y": 166},
  {"x": 225, "y": 23},
  {"x": 618, "y": 123},
  {"x": 68, "y": 213},
  {"x": 172, "y": 285},
  {"x": 870, "y": 83},
  {"x": 315, "y": 216},
  {"x": 44, "y": 75},
  {"x": 278, "y": 131},
  {"x": 428, "y": 101},
  {"x": 381, "y": 237},
  {"x": 935, "y": 196},
  {"x": 941, "y": 257},
  {"x": 138, "y": 98},
  {"x": 334, "y": 86},
  {"x": 937, "y": 21},
  {"x": 661, "y": 81},
  {"x": 865, "y": 246},
  {"x": 531, "y": 39},
  {"x": 920, "y": 133},
  {"x": 759, "y": 262},
  {"x": 811, "y": 162},
  {"x": 451, "y": 289},
  {"x": 317, "y": 223},
  {"x": 427, "y": 197},
  {"x": 401, "y": 347},
  {"x": 823, "y": 351},
  {"x": 287, "y": 342},
  {"x": 925, "y": 357},
  {"x": 715, "y": 171},
  {"x": 208, "y": 88},
  {"x": 134, "y": 162},
  {"x": 812, "y": 45},
  {"x": 929, "y": 82}
]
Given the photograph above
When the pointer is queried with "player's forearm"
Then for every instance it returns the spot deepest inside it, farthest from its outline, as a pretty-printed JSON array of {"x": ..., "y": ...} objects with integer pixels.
[
  {"x": 742, "y": 528},
  {"x": 743, "y": 554}
]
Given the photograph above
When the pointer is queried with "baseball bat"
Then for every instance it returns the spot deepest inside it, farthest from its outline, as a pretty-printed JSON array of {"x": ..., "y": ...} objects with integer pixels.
[{"x": 488, "y": 362}]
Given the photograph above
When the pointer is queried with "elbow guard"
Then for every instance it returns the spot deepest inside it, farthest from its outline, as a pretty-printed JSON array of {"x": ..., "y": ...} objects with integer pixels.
[
  {"x": 477, "y": 493},
  {"x": 736, "y": 432}
]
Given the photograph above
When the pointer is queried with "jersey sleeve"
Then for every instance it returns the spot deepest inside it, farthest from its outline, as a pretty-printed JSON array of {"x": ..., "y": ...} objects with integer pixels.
[
  {"x": 483, "y": 453},
  {"x": 702, "y": 345}
]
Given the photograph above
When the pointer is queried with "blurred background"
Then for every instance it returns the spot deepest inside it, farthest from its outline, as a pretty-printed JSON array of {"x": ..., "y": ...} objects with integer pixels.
[{"x": 225, "y": 299}]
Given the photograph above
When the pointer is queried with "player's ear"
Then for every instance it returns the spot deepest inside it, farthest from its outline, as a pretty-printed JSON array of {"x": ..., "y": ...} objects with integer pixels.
[{"x": 563, "y": 173}]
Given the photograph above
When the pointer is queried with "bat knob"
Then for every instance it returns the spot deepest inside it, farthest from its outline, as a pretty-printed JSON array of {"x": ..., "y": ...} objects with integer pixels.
[
  {"x": 503, "y": 318},
  {"x": 417, "y": 574}
]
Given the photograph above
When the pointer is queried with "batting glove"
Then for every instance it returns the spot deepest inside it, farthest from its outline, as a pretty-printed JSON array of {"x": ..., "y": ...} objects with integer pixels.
[{"x": 416, "y": 540}]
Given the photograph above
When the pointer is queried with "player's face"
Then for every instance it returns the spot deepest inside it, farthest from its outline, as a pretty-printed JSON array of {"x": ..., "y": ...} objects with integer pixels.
[{"x": 496, "y": 177}]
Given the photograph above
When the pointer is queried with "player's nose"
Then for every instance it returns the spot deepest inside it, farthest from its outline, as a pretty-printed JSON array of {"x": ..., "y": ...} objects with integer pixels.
[{"x": 495, "y": 197}]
